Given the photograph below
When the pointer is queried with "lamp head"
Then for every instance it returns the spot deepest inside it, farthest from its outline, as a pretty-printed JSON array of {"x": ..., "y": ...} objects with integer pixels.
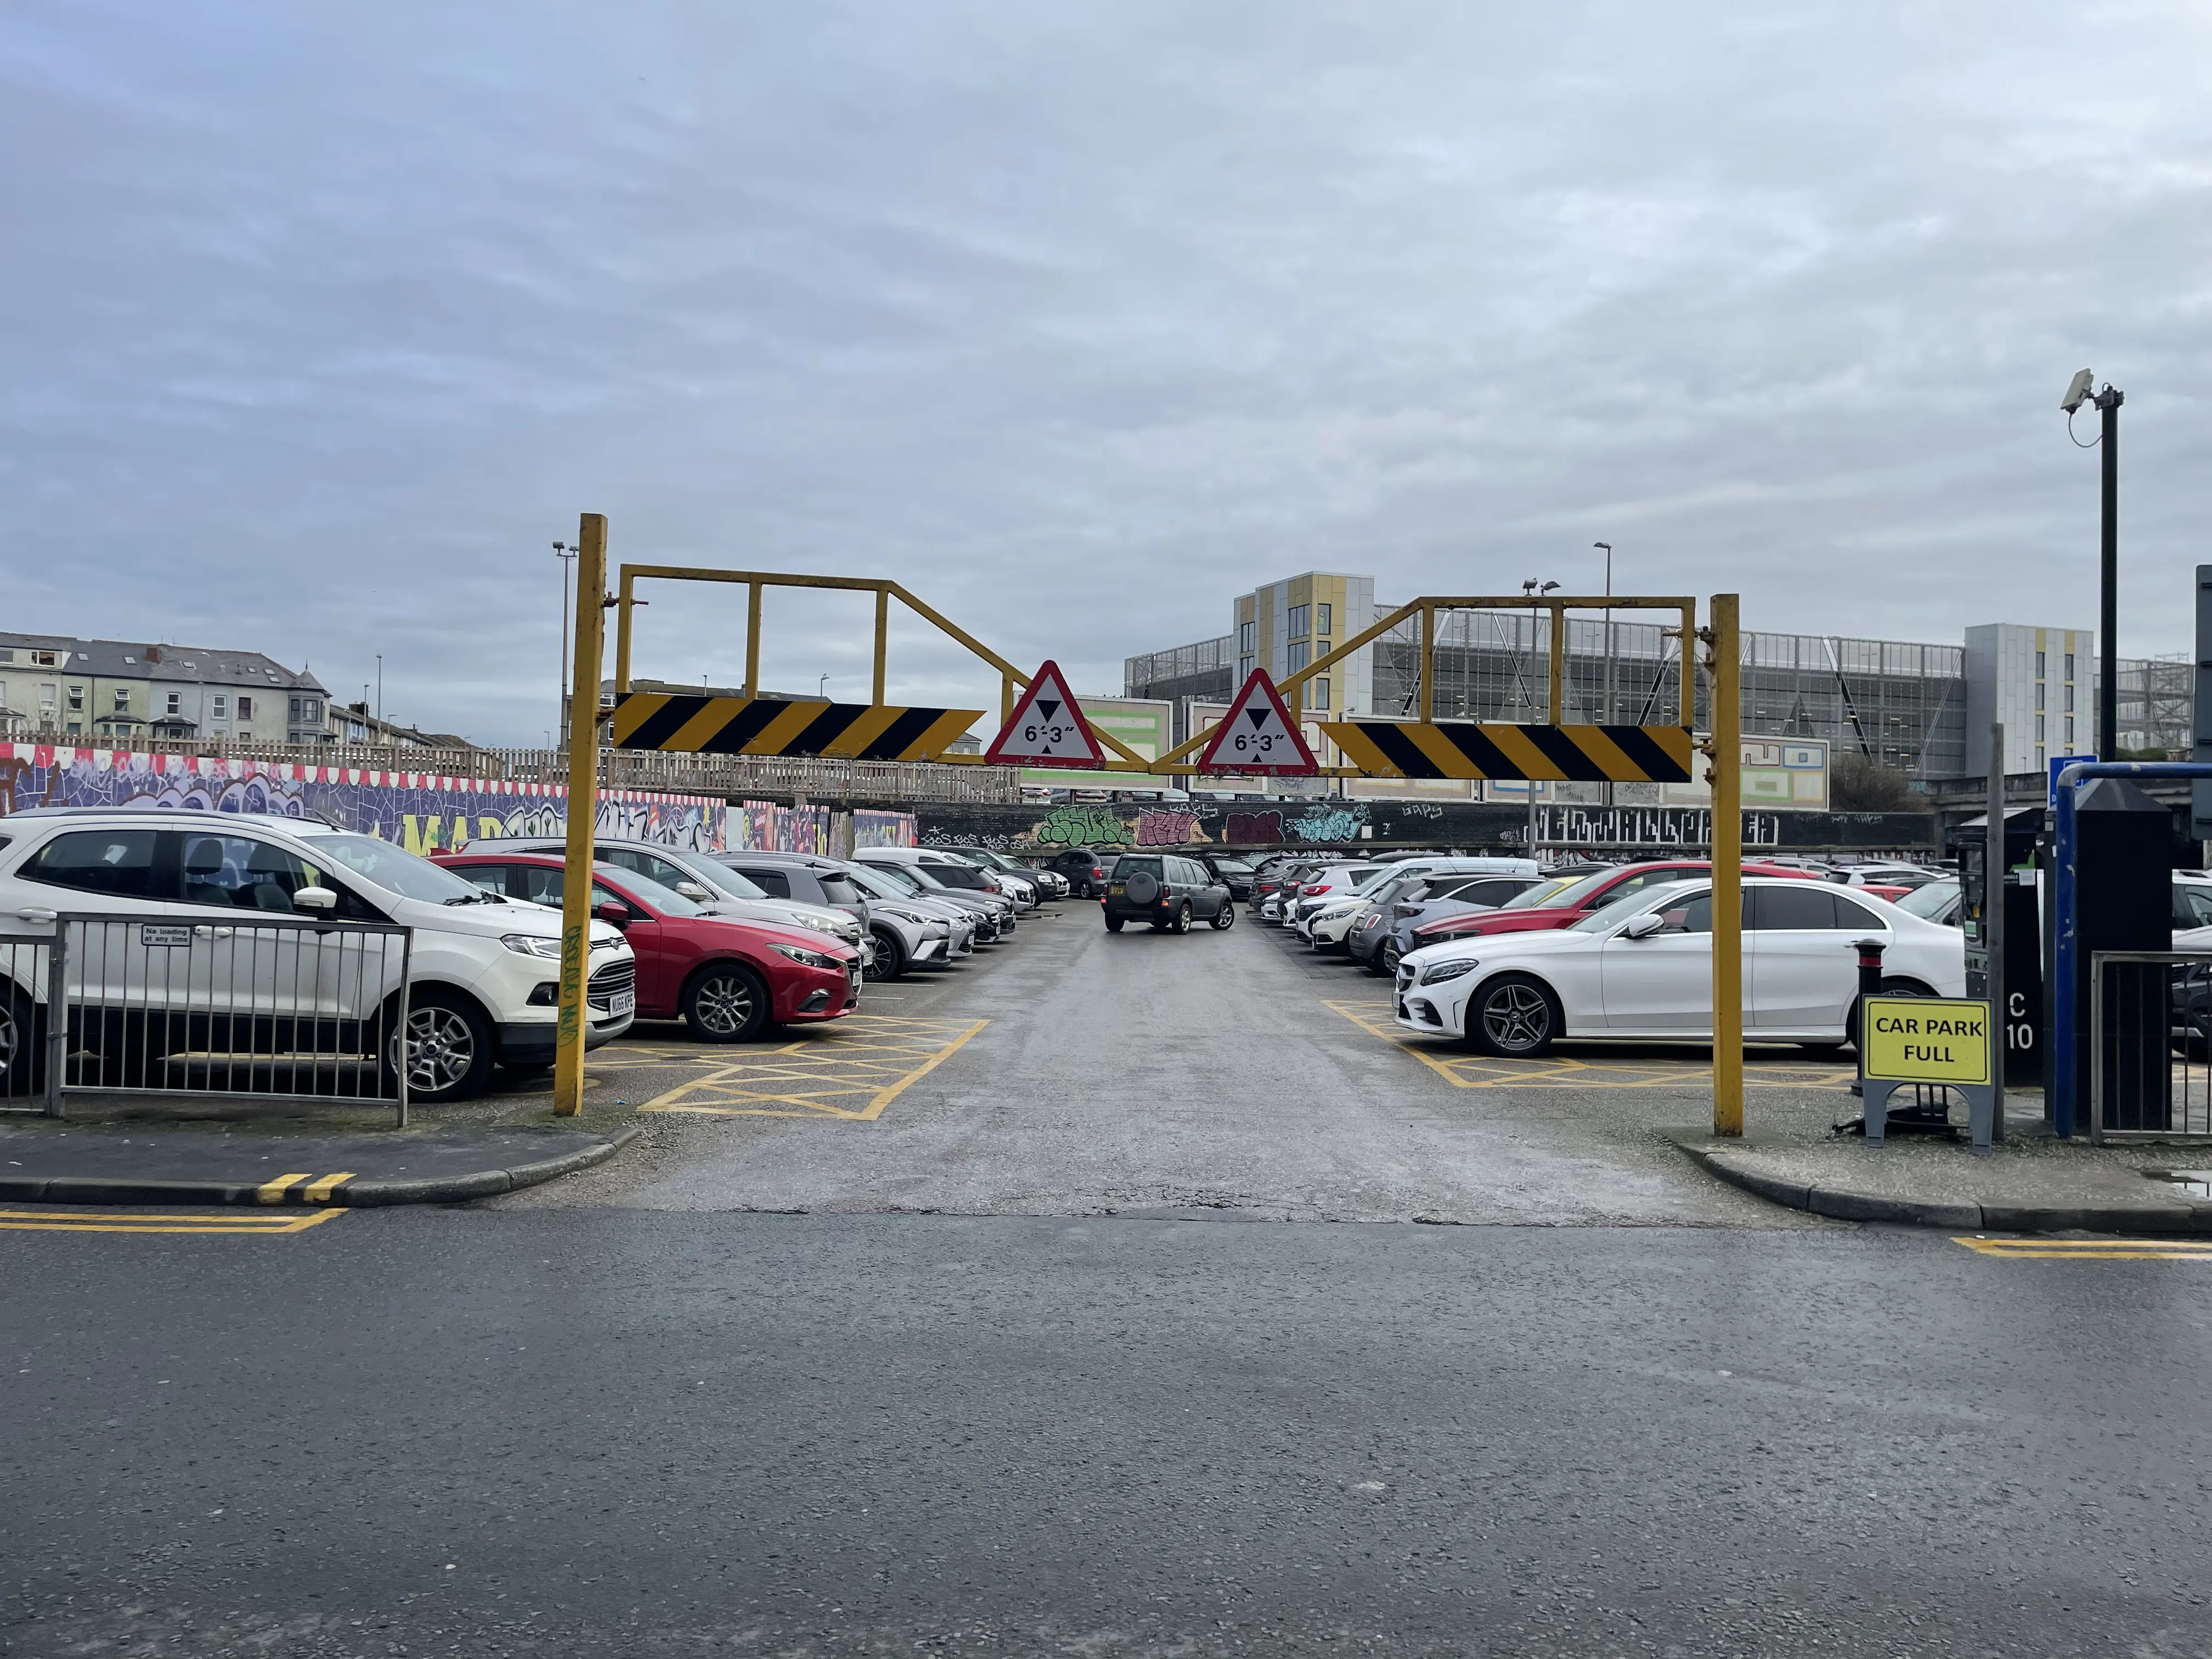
[
  {"x": 2077, "y": 391},
  {"x": 1547, "y": 587}
]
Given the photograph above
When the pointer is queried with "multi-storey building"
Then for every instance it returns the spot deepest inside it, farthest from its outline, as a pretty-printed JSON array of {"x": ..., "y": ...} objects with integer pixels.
[
  {"x": 115, "y": 691},
  {"x": 1918, "y": 708}
]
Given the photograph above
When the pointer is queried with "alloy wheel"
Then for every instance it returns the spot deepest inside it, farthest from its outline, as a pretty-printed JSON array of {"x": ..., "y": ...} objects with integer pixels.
[
  {"x": 440, "y": 1048},
  {"x": 1516, "y": 1018},
  {"x": 725, "y": 1004}
]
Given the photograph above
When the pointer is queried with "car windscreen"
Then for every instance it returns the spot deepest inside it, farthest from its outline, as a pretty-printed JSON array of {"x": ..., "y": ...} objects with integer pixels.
[
  {"x": 956, "y": 875},
  {"x": 730, "y": 882},
  {"x": 1232, "y": 866},
  {"x": 396, "y": 870},
  {"x": 667, "y": 900},
  {"x": 1542, "y": 893},
  {"x": 1362, "y": 874},
  {"x": 1931, "y": 901},
  {"x": 837, "y": 887},
  {"x": 1130, "y": 866},
  {"x": 878, "y": 882},
  {"x": 1574, "y": 893}
]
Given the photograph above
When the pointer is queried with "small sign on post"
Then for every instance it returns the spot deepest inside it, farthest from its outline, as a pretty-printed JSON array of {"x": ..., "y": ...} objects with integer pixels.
[{"x": 1905, "y": 1041}]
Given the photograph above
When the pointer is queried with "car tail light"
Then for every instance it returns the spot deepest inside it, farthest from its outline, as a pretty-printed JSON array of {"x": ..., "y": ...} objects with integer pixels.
[{"x": 1314, "y": 889}]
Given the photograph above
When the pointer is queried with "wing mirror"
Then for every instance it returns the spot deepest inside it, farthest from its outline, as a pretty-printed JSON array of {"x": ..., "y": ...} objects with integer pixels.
[
  {"x": 613, "y": 911},
  {"x": 1643, "y": 927},
  {"x": 320, "y": 900},
  {"x": 692, "y": 890}
]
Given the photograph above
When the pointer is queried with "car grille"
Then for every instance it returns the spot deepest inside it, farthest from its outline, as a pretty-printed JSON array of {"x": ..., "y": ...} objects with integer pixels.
[{"x": 610, "y": 982}]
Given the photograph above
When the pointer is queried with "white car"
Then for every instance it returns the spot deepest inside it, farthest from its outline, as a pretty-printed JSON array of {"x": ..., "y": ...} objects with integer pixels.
[
  {"x": 484, "y": 975},
  {"x": 1325, "y": 928},
  {"x": 1330, "y": 881},
  {"x": 1643, "y": 969},
  {"x": 933, "y": 870},
  {"x": 887, "y": 899}
]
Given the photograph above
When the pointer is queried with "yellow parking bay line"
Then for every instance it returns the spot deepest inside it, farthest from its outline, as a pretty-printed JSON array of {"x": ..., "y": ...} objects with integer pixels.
[
  {"x": 1464, "y": 1068},
  {"x": 2092, "y": 1250},
  {"x": 850, "y": 1071},
  {"x": 129, "y": 1221}
]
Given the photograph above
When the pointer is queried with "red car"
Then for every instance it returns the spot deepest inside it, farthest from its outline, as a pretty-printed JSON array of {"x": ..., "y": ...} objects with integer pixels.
[
  {"x": 1562, "y": 906},
  {"x": 726, "y": 980}
]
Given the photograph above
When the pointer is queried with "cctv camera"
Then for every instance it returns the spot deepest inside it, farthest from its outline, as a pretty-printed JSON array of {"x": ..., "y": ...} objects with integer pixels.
[{"x": 2077, "y": 393}]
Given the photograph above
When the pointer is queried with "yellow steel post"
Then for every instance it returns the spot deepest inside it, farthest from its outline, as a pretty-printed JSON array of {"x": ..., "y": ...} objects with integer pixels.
[
  {"x": 583, "y": 808},
  {"x": 882, "y": 636},
  {"x": 1728, "y": 868},
  {"x": 1006, "y": 698},
  {"x": 752, "y": 640},
  {"x": 1428, "y": 675},
  {"x": 622, "y": 632},
  {"x": 1552, "y": 713}
]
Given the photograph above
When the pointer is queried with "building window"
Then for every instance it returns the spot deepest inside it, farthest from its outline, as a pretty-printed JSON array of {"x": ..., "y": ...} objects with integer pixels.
[
  {"x": 245, "y": 707},
  {"x": 176, "y": 702},
  {"x": 76, "y": 699},
  {"x": 1301, "y": 654},
  {"x": 2038, "y": 730},
  {"x": 1300, "y": 615},
  {"x": 2070, "y": 664},
  {"x": 2069, "y": 733},
  {"x": 2039, "y": 696},
  {"x": 44, "y": 660},
  {"x": 220, "y": 705},
  {"x": 2069, "y": 696},
  {"x": 46, "y": 697},
  {"x": 2039, "y": 665},
  {"x": 1318, "y": 690},
  {"x": 122, "y": 699},
  {"x": 1248, "y": 637},
  {"x": 2038, "y": 758},
  {"x": 1244, "y": 667},
  {"x": 307, "y": 711},
  {"x": 1323, "y": 614}
]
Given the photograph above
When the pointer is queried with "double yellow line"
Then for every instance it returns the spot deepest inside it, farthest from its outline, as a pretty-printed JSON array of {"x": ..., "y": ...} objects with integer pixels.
[
  {"x": 2094, "y": 1249},
  {"x": 129, "y": 1221}
]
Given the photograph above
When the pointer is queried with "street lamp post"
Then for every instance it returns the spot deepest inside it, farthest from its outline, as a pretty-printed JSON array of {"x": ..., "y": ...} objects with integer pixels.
[
  {"x": 567, "y": 555},
  {"x": 1605, "y": 790},
  {"x": 2107, "y": 404}
]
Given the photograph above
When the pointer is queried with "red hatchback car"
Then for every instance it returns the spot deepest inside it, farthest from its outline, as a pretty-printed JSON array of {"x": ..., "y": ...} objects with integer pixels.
[
  {"x": 1564, "y": 906},
  {"x": 726, "y": 980}
]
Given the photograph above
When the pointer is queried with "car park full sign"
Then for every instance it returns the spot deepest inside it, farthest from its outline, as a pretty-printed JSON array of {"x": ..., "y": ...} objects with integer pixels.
[
  {"x": 1047, "y": 728},
  {"x": 1257, "y": 735}
]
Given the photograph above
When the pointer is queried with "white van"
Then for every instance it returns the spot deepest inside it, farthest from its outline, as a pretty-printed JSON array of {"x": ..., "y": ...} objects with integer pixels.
[{"x": 485, "y": 970}]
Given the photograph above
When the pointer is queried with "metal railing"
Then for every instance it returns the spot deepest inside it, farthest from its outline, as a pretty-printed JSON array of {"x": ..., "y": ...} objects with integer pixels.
[
  {"x": 260, "y": 1009},
  {"x": 2150, "y": 1046}
]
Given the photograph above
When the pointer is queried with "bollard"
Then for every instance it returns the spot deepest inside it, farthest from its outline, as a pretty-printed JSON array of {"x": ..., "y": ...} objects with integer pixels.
[{"x": 1869, "y": 952}]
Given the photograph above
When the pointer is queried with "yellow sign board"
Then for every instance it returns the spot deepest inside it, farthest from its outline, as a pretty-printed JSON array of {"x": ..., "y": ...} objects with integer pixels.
[{"x": 1926, "y": 1040}]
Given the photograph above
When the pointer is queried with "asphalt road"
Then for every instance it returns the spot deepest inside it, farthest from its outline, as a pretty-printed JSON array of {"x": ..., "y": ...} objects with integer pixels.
[
  {"x": 1151, "y": 1074},
  {"x": 645, "y": 1419}
]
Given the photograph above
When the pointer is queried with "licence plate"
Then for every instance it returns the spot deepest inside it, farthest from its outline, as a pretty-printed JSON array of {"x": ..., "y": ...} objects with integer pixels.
[
  {"x": 1115, "y": 888},
  {"x": 621, "y": 1003}
]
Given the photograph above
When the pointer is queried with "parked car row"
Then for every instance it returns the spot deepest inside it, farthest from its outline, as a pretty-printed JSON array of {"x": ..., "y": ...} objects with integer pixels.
[{"x": 730, "y": 942}]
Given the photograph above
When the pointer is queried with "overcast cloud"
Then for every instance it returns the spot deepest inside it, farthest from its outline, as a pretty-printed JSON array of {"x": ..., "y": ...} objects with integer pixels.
[{"x": 324, "y": 322}]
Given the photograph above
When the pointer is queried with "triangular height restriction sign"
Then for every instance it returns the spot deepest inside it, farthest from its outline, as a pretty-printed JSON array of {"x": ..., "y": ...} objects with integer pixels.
[
  {"x": 1256, "y": 735},
  {"x": 1047, "y": 729}
]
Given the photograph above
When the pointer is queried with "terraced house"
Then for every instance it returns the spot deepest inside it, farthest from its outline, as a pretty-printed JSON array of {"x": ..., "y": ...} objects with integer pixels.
[{"x": 56, "y": 687}]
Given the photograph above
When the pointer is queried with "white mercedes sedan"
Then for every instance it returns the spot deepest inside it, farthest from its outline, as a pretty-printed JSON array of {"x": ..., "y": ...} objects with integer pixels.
[{"x": 1643, "y": 969}]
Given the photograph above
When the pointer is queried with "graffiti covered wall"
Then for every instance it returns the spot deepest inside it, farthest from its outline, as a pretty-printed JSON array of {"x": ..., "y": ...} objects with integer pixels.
[
  {"x": 1376, "y": 823},
  {"x": 419, "y": 812}
]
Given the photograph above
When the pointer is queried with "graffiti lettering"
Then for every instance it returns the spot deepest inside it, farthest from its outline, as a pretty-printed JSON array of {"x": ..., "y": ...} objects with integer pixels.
[
  {"x": 1075, "y": 825},
  {"x": 1159, "y": 827},
  {"x": 1337, "y": 824}
]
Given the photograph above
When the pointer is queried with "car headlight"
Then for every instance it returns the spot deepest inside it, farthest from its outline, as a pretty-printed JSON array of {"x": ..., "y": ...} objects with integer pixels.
[
  {"x": 530, "y": 944},
  {"x": 1436, "y": 972},
  {"x": 807, "y": 958}
]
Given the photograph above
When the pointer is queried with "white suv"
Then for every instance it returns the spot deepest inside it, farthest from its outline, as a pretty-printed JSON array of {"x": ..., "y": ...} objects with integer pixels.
[{"x": 485, "y": 971}]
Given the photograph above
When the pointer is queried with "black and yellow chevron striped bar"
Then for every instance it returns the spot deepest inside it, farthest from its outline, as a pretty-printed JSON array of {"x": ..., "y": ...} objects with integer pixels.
[
  {"x": 776, "y": 726},
  {"x": 1554, "y": 754}
]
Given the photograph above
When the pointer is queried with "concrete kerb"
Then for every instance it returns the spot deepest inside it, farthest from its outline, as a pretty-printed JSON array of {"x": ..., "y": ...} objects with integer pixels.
[
  {"x": 1735, "y": 1162},
  {"x": 351, "y": 1194}
]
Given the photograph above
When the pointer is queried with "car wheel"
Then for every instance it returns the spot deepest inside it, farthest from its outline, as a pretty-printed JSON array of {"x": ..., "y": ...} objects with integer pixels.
[
  {"x": 1114, "y": 924},
  {"x": 449, "y": 1046},
  {"x": 1182, "y": 922},
  {"x": 890, "y": 956},
  {"x": 1225, "y": 919},
  {"x": 725, "y": 1002},
  {"x": 1391, "y": 954},
  {"x": 1514, "y": 1016},
  {"x": 22, "y": 1067},
  {"x": 1890, "y": 987}
]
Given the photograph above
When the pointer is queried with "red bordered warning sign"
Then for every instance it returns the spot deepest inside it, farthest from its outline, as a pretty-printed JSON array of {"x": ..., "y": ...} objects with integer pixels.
[
  {"x": 1047, "y": 728},
  {"x": 1256, "y": 735}
]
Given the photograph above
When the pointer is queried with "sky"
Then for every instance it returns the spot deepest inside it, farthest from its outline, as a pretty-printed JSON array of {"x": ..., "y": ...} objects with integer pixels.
[{"x": 325, "y": 323}]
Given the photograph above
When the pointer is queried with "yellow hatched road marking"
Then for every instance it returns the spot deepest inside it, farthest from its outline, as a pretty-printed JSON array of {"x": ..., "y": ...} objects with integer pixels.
[
  {"x": 2094, "y": 1249},
  {"x": 850, "y": 1071},
  {"x": 125, "y": 1221},
  {"x": 272, "y": 1192},
  {"x": 1464, "y": 1068},
  {"x": 321, "y": 1191}
]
